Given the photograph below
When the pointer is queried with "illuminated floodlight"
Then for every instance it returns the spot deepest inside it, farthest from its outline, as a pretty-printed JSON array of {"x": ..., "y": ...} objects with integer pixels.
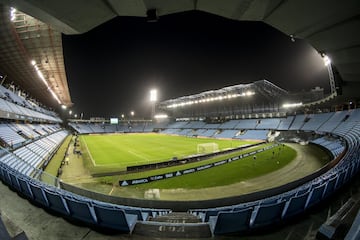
[
  {"x": 327, "y": 60},
  {"x": 132, "y": 113},
  {"x": 122, "y": 115},
  {"x": 42, "y": 78},
  {"x": 153, "y": 95},
  {"x": 291, "y": 105},
  {"x": 70, "y": 112},
  {"x": 12, "y": 14},
  {"x": 161, "y": 116},
  {"x": 54, "y": 96},
  {"x": 75, "y": 115},
  {"x": 249, "y": 93}
]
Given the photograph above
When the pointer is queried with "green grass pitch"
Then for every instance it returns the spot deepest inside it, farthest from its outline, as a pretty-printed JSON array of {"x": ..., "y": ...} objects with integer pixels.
[
  {"x": 111, "y": 153},
  {"x": 122, "y": 150},
  {"x": 241, "y": 170}
]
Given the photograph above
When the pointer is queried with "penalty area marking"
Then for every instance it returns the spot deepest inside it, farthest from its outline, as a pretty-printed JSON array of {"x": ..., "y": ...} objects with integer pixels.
[{"x": 138, "y": 155}]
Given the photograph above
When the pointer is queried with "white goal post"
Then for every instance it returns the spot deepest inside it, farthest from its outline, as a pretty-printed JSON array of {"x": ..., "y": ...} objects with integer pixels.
[{"x": 204, "y": 148}]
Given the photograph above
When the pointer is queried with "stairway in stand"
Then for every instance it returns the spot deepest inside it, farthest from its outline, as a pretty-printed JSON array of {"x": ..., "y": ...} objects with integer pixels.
[{"x": 174, "y": 225}]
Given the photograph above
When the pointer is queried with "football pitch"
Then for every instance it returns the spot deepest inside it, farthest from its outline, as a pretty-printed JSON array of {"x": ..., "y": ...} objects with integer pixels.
[
  {"x": 106, "y": 156},
  {"x": 122, "y": 150}
]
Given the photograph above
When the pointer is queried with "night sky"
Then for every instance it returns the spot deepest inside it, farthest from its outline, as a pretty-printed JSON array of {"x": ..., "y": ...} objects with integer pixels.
[{"x": 111, "y": 69}]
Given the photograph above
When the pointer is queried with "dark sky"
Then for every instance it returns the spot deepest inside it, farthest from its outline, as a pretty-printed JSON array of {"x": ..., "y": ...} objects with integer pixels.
[{"x": 111, "y": 69}]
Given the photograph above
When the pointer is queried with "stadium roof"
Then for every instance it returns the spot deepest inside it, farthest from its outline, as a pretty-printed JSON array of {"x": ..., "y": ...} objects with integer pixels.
[
  {"x": 331, "y": 27},
  {"x": 31, "y": 55},
  {"x": 263, "y": 87}
]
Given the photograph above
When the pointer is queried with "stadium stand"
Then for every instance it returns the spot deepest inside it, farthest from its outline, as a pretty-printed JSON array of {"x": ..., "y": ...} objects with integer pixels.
[
  {"x": 212, "y": 126},
  {"x": 185, "y": 132},
  {"x": 297, "y": 201},
  {"x": 333, "y": 122},
  {"x": 207, "y": 133},
  {"x": 194, "y": 124},
  {"x": 19, "y": 108},
  {"x": 227, "y": 134},
  {"x": 298, "y": 122},
  {"x": 254, "y": 134},
  {"x": 230, "y": 222},
  {"x": 229, "y": 124},
  {"x": 285, "y": 123},
  {"x": 314, "y": 121},
  {"x": 335, "y": 147},
  {"x": 177, "y": 124},
  {"x": 110, "y": 128},
  {"x": 29, "y": 157},
  {"x": 18, "y": 169},
  {"x": 9, "y": 136},
  {"x": 269, "y": 123},
  {"x": 247, "y": 124}
]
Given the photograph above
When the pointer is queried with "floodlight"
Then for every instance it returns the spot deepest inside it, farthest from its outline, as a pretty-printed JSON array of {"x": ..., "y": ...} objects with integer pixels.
[
  {"x": 33, "y": 62},
  {"x": 327, "y": 60},
  {"x": 153, "y": 95},
  {"x": 70, "y": 112},
  {"x": 54, "y": 96},
  {"x": 12, "y": 14},
  {"x": 161, "y": 116},
  {"x": 291, "y": 105},
  {"x": 249, "y": 93},
  {"x": 122, "y": 115},
  {"x": 63, "y": 107},
  {"x": 132, "y": 113}
]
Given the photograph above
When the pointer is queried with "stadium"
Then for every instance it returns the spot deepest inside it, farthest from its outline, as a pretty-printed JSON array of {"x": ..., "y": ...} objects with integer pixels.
[{"x": 251, "y": 161}]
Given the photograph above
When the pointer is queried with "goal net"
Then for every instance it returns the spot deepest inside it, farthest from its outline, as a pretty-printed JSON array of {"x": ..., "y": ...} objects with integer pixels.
[{"x": 204, "y": 148}]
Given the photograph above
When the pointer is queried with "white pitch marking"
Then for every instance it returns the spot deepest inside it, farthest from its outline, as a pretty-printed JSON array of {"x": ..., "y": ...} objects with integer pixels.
[
  {"x": 89, "y": 153},
  {"x": 138, "y": 155}
]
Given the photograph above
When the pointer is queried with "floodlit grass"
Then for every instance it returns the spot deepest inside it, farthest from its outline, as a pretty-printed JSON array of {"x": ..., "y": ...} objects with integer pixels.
[
  {"x": 241, "y": 170},
  {"x": 149, "y": 173},
  {"x": 111, "y": 153}
]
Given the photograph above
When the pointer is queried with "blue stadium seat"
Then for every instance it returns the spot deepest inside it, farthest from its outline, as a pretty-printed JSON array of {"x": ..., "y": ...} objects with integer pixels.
[
  {"x": 213, "y": 212},
  {"x": 315, "y": 195},
  {"x": 288, "y": 195},
  {"x": 340, "y": 180},
  {"x": 14, "y": 181},
  {"x": 330, "y": 187},
  {"x": 142, "y": 216},
  {"x": 114, "y": 218},
  {"x": 295, "y": 205},
  {"x": 80, "y": 209},
  {"x": 1, "y": 171},
  {"x": 267, "y": 215},
  {"x": 38, "y": 194},
  {"x": 6, "y": 177},
  {"x": 230, "y": 222},
  {"x": 25, "y": 187},
  {"x": 56, "y": 202}
]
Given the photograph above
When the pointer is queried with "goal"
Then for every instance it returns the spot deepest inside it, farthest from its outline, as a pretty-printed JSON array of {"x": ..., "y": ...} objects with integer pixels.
[{"x": 204, "y": 148}]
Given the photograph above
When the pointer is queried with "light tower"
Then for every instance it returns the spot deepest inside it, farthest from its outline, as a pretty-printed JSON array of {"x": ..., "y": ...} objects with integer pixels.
[
  {"x": 327, "y": 63},
  {"x": 153, "y": 99}
]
